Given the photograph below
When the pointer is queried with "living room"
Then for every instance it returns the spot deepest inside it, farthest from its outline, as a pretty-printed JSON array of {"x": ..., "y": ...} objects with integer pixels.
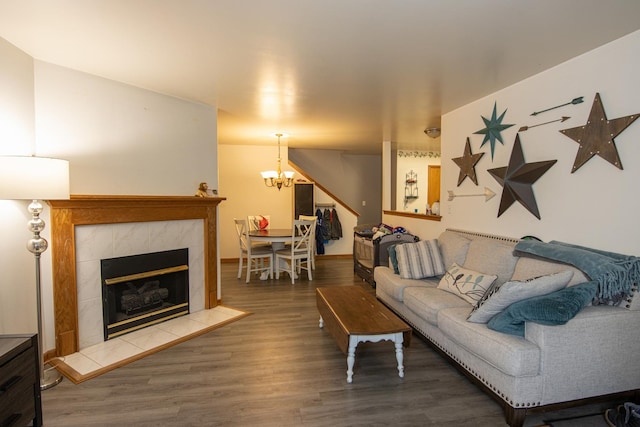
[{"x": 121, "y": 139}]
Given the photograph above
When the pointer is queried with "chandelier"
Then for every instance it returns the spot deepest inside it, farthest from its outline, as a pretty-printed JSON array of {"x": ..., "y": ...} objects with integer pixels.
[{"x": 278, "y": 178}]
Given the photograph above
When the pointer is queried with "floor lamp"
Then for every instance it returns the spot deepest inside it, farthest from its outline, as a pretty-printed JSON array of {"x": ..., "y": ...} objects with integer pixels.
[{"x": 36, "y": 178}]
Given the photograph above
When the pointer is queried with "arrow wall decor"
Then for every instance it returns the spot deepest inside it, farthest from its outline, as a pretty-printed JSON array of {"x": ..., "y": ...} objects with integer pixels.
[
  {"x": 488, "y": 194},
  {"x": 524, "y": 128},
  {"x": 574, "y": 101}
]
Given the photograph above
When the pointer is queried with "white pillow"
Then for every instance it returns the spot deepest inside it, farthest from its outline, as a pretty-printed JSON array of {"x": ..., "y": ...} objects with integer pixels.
[
  {"x": 467, "y": 284},
  {"x": 419, "y": 260},
  {"x": 500, "y": 297}
]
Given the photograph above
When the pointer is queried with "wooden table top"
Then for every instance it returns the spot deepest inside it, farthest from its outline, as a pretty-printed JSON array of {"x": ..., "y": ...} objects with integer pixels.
[
  {"x": 359, "y": 312},
  {"x": 272, "y": 232}
]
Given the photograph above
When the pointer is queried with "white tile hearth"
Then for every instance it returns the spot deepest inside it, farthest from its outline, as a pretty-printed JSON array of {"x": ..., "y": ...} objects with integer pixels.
[
  {"x": 99, "y": 241},
  {"x": 113, "y": 352}
]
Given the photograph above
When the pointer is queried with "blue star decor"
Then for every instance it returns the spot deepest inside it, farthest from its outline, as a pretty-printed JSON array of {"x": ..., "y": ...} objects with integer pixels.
[
  {"x": 493, "y": 129},
  {"x": 517, "y": 179}
]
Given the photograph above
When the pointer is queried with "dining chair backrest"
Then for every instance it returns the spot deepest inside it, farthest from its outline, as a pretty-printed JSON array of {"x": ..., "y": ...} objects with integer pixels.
[
  {"x": 259, "y": 222},
  {"x": 312, "y": 238},
  {"x": 303, "y": 230},
  {"x": 241, "y": 230}
]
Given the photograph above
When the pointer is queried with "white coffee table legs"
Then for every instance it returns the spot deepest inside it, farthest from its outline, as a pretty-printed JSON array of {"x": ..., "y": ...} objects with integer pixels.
[{"x": 354, "y": 340}]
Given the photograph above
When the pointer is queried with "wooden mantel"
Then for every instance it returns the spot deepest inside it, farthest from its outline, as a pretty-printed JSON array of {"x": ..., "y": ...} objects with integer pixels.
[{"x": 91, "y": 210}]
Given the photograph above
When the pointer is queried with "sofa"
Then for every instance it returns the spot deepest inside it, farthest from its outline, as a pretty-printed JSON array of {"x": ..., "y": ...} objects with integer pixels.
[{"x": 589, "y": 354}]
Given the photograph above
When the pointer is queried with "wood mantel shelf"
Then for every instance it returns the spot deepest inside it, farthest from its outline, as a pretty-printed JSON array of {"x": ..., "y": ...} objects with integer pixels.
[{"x": 113, "y": 209}]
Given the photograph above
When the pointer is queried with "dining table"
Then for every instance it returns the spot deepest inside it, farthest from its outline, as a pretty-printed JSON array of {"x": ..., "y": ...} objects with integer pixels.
[{"x": 277, "y": 237}]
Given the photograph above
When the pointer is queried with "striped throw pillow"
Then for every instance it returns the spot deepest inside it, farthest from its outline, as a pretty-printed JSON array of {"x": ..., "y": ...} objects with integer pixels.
[{"x": 419, "y": 260}]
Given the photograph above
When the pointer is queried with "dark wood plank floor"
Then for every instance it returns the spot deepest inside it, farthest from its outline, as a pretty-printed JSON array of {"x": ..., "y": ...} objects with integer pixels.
[{"x": 276, "y": 368}]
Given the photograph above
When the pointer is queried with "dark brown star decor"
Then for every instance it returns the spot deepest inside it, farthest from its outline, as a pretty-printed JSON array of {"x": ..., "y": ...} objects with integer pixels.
[
  {"x": 596, "y": 136},
  {"x": 467, "y": 164},
  {"x": 517, "y": 179}
]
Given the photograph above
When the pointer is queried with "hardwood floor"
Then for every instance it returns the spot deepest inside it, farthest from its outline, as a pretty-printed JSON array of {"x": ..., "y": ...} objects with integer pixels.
[{"x": 275, "y": 368}]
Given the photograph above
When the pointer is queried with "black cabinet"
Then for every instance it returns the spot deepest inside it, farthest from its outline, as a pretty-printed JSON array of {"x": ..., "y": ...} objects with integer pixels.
[{"x": 20, "y": 402}]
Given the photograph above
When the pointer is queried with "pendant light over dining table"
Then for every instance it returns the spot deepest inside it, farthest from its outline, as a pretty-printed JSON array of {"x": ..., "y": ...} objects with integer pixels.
[{"x": 278, "y": 178}]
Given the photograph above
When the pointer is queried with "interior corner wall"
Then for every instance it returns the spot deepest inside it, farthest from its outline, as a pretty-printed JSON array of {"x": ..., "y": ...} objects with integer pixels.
[
  {"x": 417, "y": 162},
  {"x": 597, "y": 205},
  {"x": 353, "y": 178},
  {"x": 242, "y": 185},
  {"x": 120, "y": 139},
  {"x": 17, "y": 285}
]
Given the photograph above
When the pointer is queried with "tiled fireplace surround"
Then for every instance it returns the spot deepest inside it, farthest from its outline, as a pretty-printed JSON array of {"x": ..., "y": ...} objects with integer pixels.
[
  {"x": 87, "y": 229},
  {"x": 96, "y": 242}
]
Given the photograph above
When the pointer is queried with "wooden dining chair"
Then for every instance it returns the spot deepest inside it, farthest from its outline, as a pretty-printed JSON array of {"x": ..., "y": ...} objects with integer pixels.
[
  {"x": 298, "y": 253},
  {"x": 255, "y": 255},
  {"x": 312, "y": 238}
]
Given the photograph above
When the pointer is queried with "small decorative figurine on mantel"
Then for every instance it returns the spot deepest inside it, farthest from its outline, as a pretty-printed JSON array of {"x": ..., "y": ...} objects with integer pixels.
[{"x": 203, "y": 190}]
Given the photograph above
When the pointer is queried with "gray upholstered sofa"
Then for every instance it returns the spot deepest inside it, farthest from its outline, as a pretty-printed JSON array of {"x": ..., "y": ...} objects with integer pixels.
[{"x": 593, "y": 356}]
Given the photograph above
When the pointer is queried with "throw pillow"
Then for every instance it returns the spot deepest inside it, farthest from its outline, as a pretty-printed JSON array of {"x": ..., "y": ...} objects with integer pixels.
[
  {"x": 393, "y": 258},
  {"x": 419, "y": 260},
  {"x": 556, "y": 308},
  {"x": 467, "y": 284},
  {"x": 499, "y": 297}
]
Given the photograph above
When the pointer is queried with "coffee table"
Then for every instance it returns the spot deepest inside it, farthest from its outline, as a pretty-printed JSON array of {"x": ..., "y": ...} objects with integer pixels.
[{"x": 353, "y": 316}]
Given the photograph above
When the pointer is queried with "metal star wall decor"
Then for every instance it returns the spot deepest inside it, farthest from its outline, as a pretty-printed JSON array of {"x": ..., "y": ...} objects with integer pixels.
[
  {"x": 517, "y": 180},
  {"x": 493, "y": 129},
  {"x": 467, "y": 164},
  {"x": 596, "y": 136}
]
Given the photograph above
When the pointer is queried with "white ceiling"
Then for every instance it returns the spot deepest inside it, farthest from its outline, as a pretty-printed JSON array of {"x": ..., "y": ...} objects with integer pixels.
[{"x": 333, "y": 74}]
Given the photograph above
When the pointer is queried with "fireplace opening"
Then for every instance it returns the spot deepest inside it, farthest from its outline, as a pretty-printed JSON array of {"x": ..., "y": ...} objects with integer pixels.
[{"x": 142, "y": 290}]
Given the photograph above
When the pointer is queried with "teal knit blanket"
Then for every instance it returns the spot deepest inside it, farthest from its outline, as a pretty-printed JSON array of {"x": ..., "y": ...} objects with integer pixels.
[{"x": 615, "y": 273}]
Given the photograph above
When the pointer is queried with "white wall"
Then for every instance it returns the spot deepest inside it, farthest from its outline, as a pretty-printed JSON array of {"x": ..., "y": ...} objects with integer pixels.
[
  {"x": 597, "y": 205},
  {"x": 242, "y": 185},
  {"x": 17, "y": 285},
  {"x": 417, "y": 162},
  {"x": 119, "y": 139}
]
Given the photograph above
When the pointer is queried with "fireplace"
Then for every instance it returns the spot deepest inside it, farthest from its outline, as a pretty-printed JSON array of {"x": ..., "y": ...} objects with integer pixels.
[{"x": 142, "y": 290}]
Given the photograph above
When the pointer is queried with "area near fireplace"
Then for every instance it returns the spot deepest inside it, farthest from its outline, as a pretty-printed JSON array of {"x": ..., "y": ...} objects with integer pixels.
[{"x": 136, "y": 220}]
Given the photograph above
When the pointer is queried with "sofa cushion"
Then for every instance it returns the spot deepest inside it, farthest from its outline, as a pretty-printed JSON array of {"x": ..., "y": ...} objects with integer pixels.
[
  {"x": 529, "y": 266},
  {"x": 419, "y": 260},
  {"x": 427, "y": 302},
  {"x": 511, "y": 355},
  {"x": 556, "y": 308},
  {"x": 499, "y": 297},
  {"x": 492, "y": 257},
  {"x": 468, "y": 284},
  {"x": 453, "y": 247},
  {"x": 393, "y": 285}
]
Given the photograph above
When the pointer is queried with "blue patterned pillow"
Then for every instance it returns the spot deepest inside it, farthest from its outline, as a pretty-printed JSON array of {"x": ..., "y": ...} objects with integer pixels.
[{"x": 556, "y": 308}]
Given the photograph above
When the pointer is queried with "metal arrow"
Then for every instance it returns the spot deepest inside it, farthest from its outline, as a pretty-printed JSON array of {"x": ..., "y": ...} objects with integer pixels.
[
  {"x": 574, "y": 101},
  {"x": 488, "y": 194},
  {"x": 523, "y": 128}
]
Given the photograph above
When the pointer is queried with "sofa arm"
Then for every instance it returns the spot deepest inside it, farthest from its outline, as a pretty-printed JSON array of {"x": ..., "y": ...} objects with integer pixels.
[{"x": 590, "y": 355}]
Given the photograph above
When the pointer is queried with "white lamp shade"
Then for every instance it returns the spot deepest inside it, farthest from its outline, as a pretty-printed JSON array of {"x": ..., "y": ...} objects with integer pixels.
[
  {"x": 288, "y": 174},
  {"x": 269, "y": 174},
  {"x": 33, "y": 178}
]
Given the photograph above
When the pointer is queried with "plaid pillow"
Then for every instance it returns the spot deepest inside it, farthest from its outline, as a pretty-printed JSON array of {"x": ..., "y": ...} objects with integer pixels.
[{"x": 419, "y": 260}]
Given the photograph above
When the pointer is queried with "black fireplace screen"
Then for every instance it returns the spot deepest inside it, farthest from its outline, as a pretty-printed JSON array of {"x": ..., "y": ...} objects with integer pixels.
[{"x": 142, "y": 290}]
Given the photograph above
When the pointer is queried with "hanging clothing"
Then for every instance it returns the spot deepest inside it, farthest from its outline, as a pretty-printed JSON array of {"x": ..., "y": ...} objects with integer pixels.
[
  {"x": 319, "y": 232},
  {"x": 326, "y": 225},
  {"x": 336, "y": 227}
]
